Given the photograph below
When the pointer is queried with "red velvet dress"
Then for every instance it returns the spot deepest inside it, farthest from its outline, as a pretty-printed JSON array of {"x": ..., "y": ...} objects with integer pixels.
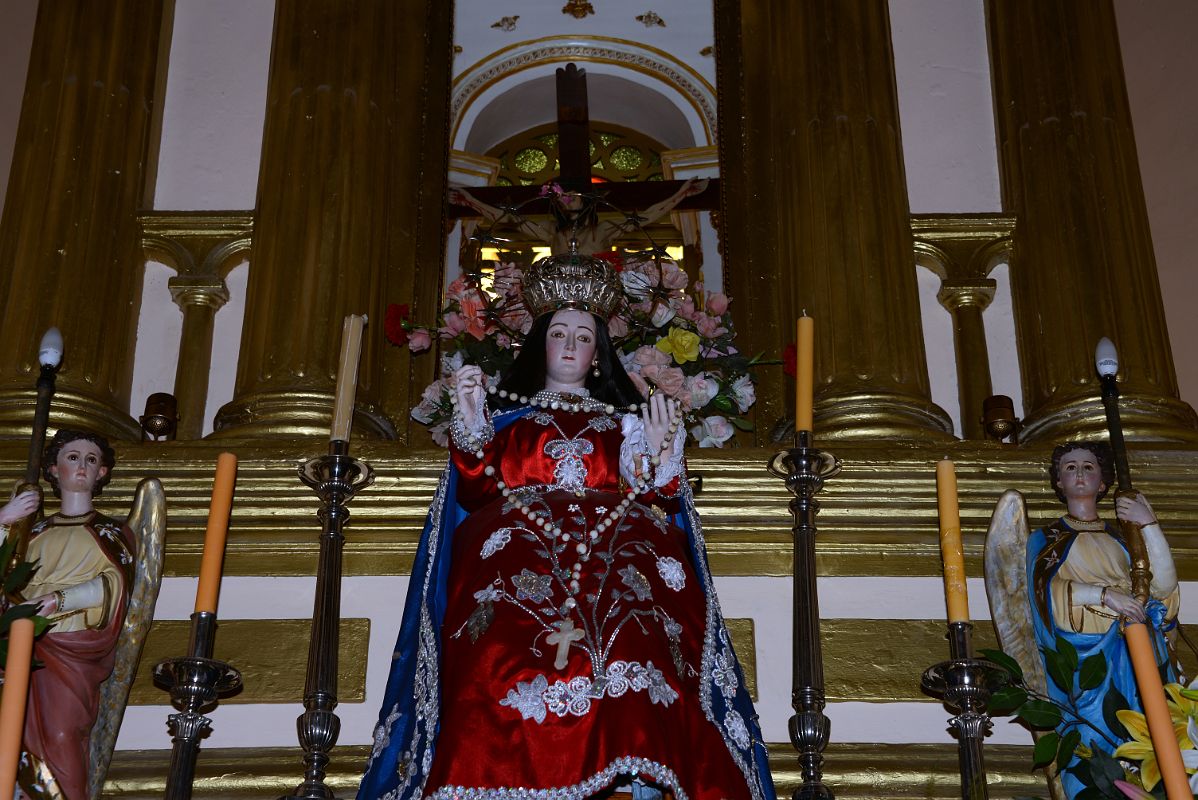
[{"x": 551, "y": 686}]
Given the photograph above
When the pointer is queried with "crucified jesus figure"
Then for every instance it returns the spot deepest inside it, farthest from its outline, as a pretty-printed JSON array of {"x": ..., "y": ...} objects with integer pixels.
[{"x": 575, "y": 217}]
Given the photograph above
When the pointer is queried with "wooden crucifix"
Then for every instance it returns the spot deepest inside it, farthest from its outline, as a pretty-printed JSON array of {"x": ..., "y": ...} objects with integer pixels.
[{"x": 574, "y": 159}]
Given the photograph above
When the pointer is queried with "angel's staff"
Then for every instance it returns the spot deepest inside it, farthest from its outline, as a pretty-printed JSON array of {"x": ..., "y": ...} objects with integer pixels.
[
  {"x": 49, "y": 356},
  {"x": 1139, "y": 643}
]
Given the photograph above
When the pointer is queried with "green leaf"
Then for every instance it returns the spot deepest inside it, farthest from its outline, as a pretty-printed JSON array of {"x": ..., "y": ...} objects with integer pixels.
[
  {"x": 1105, "y": 770},
  {"x": 19, "y": 576},
  {"x": 1112, "y": 702},
  {"x": 1046, "y": 750},
  {"x": 1058, "y": 670},
  {"x": 1004, "y": 661},
  {"x": 1006, "y": 700},
  {"x": 741, "y": 423},
  {"x": 1068, "y": 749},
  {"x": 1069, "y": 653},
  {"x": 1093, "y": 672},
  {"x": 1040, "y": 714},
  {"x": 723, "y": 402}
]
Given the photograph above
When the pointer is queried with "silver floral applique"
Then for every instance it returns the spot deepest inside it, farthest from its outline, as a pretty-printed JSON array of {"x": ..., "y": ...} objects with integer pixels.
[
  {"x": 528, "y": 698},
  {"x": 531, "y": 586},
  {"x": 723, "y": 673},
  {"x": 569, "y": 471},
  {"x": 670, "y": 570},
  {"x": 496, "y": 542},
  {"x": 738, "y": 732},
  {"x": 637, "y": 582}
]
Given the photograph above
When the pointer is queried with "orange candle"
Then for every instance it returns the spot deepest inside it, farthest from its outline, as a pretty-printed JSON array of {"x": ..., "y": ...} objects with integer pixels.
[
  {"x": 1156, "y": 712},
  {"x": 804, "y": 373},
  {"x": 12, "y": 701},
  {"x": 347, "y": 376},
  {"x": 218, "y": 526},
  {"x": 956, "y": 596}
]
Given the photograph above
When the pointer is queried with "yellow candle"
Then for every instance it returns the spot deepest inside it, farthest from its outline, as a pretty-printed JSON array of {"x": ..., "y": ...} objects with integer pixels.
[
  {"x": 804, "y": 373},
  {"x": 956, "y": 596},
  {"x": 12, "y": 701},
  {"x": 1156, "y": 712},
  {"x": 214, "y": 538},
  {"x": 347, "y": 376}
]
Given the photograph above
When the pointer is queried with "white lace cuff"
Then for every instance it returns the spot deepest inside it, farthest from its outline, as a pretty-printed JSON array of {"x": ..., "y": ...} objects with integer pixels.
[
  {"x": 472, "y": 438},
  {"x": 89, "y": 594},
  {"x": 634, "y": 454},
  {"x": 1086, "y": 594}
]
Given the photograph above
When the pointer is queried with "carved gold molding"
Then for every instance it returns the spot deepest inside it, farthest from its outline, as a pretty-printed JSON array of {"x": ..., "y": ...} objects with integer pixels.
[{"x": 874, "y": 771}]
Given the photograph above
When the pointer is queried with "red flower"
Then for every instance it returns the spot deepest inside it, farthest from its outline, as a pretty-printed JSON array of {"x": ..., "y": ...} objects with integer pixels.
[
  {"x": 789, "y": 356},
  {"x": 393, "y": 324}
]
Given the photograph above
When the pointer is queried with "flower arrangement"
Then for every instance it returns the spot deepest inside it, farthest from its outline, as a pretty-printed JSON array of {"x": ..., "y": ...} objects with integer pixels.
[
  {"x": 668, "y": 333},
  {"x": 1131, "y": 769}
]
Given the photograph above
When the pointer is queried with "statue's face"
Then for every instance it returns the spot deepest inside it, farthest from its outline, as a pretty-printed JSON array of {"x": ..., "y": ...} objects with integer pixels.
[
  {"x": 1080, "y": 475},
  {"x": 79, "y": 466},
  {"x": 569, "y": 348}
]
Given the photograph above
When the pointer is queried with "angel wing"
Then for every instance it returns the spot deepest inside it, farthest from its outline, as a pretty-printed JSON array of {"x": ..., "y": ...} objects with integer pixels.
[
  {"x": 147, "y": 520},
  {"x": 1005, "y": 565}
]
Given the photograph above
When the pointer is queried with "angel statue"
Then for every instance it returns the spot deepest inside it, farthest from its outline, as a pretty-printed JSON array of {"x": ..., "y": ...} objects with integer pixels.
[
  {"x": 96, "y": 580},
  {"x": 576, "y": 217},
  {"x": 561, "y": 635},
  {"x": 1072, "y": 579}
]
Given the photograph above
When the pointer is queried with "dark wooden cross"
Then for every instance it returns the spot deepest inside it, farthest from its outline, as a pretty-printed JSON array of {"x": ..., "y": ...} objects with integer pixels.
[{"x": 574, "y": 159}]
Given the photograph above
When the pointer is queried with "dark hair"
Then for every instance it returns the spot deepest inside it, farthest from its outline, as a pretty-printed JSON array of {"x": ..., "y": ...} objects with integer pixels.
[
  {"x": 64, "y": 437},
  {"x": 1102, "y": 454},
  {"x": 527, "y": 375}
]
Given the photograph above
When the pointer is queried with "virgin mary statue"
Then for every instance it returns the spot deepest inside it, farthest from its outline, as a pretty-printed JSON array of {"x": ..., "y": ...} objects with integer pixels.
[{"x": 561, "y": 635}]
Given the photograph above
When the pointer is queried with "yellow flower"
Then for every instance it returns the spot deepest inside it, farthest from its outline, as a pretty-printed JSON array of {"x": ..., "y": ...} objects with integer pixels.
[
  {"x": 1140, "y": 748},
  {"x": 1181, "y": 710},
  {"x": 680, "y": 343}
]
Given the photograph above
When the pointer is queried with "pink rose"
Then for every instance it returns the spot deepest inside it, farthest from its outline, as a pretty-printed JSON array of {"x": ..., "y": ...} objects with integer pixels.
[
  {"x": 672, "y": 277},
  {"x": 709, "y": 327},
  {"x": 649, "y": 356},
  {"x": 617, "y": 327},
  {"x": 686, "y": 308},
  {"x": 454, "y": 324},
  {"x": 717, "y": 304},
  {"x": 458, "y": 289},
  {"x": 701, "y": 388},
  {"x": 667, "y": 379},
  {"x": 419, "y": 340}
]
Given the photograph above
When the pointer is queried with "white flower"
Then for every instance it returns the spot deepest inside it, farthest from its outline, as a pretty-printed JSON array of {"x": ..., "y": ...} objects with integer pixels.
[
  {"x": 528, "y": 698},
  {"x": 430, "y": 401},
  {"x": 452, "y": 362},
  {"x": 662, "y": 313},
  {"x": 702, "y": 388},
  {"x": 636, "y": 285},
  {"x": 744, "y": 393},
  {"x": 713, "y": 431},
  {"x": 671, "y": 572}
]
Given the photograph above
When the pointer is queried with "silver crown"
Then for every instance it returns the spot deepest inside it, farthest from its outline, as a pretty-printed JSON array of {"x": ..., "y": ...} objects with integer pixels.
[{"x": 572, "y": 280}]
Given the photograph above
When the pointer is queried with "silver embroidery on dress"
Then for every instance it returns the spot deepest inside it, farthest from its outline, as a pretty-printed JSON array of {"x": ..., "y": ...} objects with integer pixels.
[
  {"x": 737, "y": 730},
  {"x": 496, "y": 542},
  {"x": 724, "y": 674},
  {"x": 670, "y": 570},
  {"x": 574, "y": 697},
  {"x": 569, "y": 473}
]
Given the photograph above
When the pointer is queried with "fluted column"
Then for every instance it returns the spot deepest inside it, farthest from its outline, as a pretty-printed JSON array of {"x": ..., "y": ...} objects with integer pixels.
[
  {"x": 965, "y": 301},
  {"x": 815, "y": 210},
  {"x": 1084, "y": 266},
  {"x": 337, "y": 206},
  {"x": 69, "y": 240}
]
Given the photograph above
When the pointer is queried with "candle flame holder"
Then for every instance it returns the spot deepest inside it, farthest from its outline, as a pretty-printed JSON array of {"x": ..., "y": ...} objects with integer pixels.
[
  {"x": 805, "y": 469},
  {"x": 194, "y": 682},
  {"x": 335, "y": 478},
  {"x": 965, "y": 683}
]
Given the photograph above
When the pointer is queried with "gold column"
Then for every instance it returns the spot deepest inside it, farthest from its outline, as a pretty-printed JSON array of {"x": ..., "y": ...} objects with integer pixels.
[
  {"x": 69, "y": 242},
  {"x": 962, "y": 249},
  {"x": 815, "y": 212},
  {"x": 201, "y": 247},
  {"x": 1084, "y": 266},
  {"x": 340, "y": 207}
]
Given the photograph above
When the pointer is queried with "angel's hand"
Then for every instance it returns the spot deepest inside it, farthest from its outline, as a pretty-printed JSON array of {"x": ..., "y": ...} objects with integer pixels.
[
  {"x": 47, "y": 604},
  {"x": 19, "y": 507},
  {"x": 1134, "y": 509},
  {"x": 1124, "y": 605}
]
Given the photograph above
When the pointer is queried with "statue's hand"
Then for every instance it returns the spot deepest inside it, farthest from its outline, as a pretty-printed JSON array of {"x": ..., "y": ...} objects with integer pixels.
[
  {"x": 471, "y": 394},
  {"x": 1124, "y": 605},
  {"x": 47, "y": 604},
  {"x": 19, "y": 507},
  {"x": 1134, "y": 509},
  {"x": 696, "y": 186},
  {"x": 656, "y": 417}
]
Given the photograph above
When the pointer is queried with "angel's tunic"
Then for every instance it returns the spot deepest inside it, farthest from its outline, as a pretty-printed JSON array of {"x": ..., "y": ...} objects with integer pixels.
[
  {"x": 79, "y": 649},
  {"x": 1060, "y": 557}
]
